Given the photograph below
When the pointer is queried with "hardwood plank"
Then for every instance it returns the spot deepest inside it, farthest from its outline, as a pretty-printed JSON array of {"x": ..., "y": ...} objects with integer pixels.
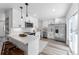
[{"x": 55, "y": 48}]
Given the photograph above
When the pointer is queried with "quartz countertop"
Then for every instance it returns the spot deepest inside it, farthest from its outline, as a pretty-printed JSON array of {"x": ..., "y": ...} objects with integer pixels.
[{"x": 15, "y": 36}]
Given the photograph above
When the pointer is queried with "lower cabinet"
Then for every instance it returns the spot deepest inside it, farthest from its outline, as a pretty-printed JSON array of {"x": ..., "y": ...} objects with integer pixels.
[
  {"x": 51, "y": 35},
  {"x": 33, "y": 44},
  {"x": 33, "y": 52}
]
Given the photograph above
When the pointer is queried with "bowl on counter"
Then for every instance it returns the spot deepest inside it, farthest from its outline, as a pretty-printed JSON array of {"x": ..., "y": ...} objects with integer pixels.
[{"x": 22, "y": 35}]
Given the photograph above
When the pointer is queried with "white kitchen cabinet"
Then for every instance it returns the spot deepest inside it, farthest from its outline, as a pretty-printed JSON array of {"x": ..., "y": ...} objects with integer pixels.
[
  {"x": 51, "y": 31},
  {"x": 51, "y": 35},
  {"x": 33, "y": 44}
]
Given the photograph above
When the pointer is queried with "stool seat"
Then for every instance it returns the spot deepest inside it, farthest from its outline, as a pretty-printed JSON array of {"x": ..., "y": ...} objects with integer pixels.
[{"x": 8, "y": 45}]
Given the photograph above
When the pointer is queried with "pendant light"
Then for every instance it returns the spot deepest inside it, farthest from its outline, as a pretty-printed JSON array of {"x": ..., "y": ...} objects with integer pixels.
[
  {"x": 21, "y": 13},
  {"x": 27, "y": 12},
  {"x": 26, "y": 9}
]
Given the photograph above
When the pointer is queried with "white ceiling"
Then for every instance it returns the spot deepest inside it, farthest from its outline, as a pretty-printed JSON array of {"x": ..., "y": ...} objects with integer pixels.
[{"x": 43, "y": 10}]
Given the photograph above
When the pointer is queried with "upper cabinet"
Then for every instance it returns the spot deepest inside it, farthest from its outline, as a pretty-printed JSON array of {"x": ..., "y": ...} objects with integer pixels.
[{"x": 2, "y": 16}]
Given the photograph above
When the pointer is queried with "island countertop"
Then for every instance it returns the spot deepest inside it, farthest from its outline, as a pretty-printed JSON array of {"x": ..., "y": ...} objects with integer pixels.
[{"x": 16, "y": 37}]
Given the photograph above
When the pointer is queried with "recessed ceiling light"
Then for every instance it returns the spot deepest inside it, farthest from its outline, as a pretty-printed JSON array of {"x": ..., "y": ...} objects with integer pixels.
[{"x": 53, "y": 10}]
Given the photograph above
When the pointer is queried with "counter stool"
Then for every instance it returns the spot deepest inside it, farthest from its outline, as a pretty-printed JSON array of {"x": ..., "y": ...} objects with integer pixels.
[{"x": 7, "y": 46}]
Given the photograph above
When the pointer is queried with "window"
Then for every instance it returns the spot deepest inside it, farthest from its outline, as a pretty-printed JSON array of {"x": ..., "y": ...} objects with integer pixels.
[{"x": 73, "y": 36}]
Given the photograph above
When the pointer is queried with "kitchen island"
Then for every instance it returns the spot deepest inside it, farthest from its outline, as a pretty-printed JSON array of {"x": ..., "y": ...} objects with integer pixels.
[{"x": 29, "y": 44}]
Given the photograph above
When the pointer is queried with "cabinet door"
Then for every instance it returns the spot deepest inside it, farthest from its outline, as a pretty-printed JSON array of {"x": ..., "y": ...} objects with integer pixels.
[
  {"x": 51, "y": 35},
  {"x": 33, "y": 47},
  {"x": 33, "y": 44},
  {"x": 51, "y": 28},
  {"x": 51, "y": 31}
]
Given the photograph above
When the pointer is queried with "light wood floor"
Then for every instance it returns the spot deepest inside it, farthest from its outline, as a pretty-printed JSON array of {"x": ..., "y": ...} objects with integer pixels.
[
  {"x": 55, "y": 48},
  {"x": 52, "y": 47}
]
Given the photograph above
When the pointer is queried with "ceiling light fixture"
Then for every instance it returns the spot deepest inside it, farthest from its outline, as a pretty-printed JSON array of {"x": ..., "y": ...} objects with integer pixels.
[
  {"x": 26, "y": 9},
  {"x": 21, "y": 12},
  {"x": 53, "y": 10}
]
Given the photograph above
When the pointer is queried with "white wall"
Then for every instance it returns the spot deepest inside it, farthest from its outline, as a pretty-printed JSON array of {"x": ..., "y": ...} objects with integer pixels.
[
  {"x": 72, "y": 10},
  {"x": 40, "y": 24},
  {"x": 8, "y": 13},
  {"x": 2, "y": 16},
  {"x": 17, "y": 19},
  {"x": 53, "y": 21},
  {"x": 2, "y": 24},
  {"x": 60, "y": 20},
  {"x": 78, "y": 28}
]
